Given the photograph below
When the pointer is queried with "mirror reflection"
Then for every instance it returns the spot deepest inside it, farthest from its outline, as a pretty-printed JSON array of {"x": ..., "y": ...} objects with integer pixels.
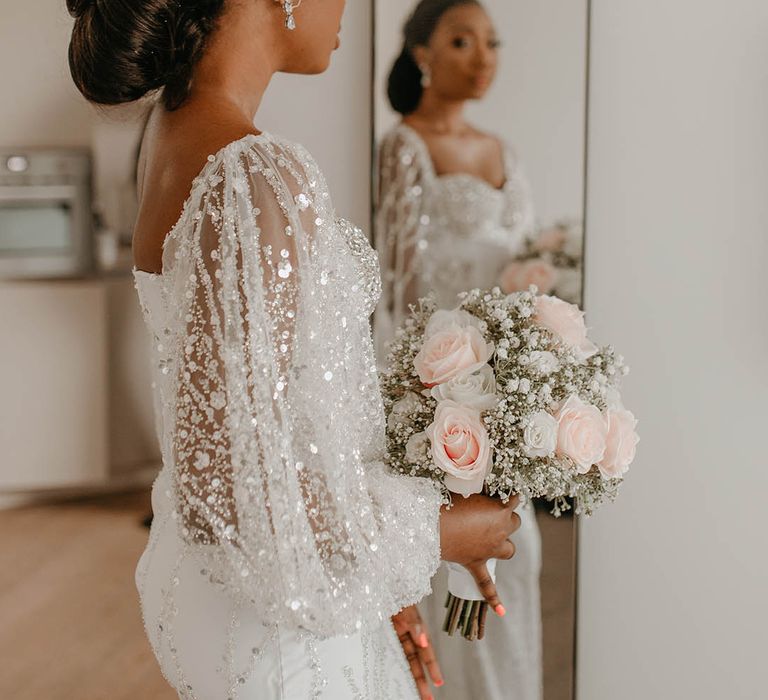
[{"x": 479, "y": 182}]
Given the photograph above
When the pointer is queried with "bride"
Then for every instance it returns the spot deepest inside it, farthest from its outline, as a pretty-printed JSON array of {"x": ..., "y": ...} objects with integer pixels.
[
  {"x": 282, "y": 550},
  {"x": 454, "y": 208}
]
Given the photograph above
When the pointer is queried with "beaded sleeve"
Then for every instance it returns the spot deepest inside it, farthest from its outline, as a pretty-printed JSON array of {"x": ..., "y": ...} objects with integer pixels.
[
  {"x": 276, "y": 424},
  {"x": 400, "y": 229}
]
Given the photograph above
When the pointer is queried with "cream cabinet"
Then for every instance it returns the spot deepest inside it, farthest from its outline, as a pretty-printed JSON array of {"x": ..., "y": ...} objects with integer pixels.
[{"x": 75, "y": 388}]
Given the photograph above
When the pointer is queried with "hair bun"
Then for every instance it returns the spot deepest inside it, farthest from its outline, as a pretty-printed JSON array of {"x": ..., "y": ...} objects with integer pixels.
[
  {"x": 404, "y": 88},
  {"x": 77, "y": 8},
  {"x": 121, "y": 51}
]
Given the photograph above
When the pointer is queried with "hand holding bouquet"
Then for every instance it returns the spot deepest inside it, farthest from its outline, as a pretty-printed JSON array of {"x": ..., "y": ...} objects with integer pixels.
[{"x": 506, "y": 395}]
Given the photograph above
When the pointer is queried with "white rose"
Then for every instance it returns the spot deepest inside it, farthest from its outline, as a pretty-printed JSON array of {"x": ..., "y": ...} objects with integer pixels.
[
  {"x": 544, "y": 362},
  {"x": 476, "y": 390},
  {"x": 540, "y": 435},
  {"x": 403, "y": 409},
  {"x": 442, "y": 319},
  {"x": 416, "y": 447}
]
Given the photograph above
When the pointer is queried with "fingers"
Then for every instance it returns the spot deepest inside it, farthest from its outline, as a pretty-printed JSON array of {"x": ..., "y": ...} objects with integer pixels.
[
  {"x": 487, "y": 587},
  {"x": 414, "y": 639},
  {"x": 416, "y": 630},
  {"x": 425, "y": 649},
  {"x": 424, "y": 646},
  {"x": 506, "y": 551},
  {"x": 429, "y": 661},
  {"x": 417, "y": 669},
  {"x": 513, "y": 522}
]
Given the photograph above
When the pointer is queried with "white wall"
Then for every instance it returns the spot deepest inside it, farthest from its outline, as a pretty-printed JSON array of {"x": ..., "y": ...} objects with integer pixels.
[
  {"x": 673, "y": 578},
  {"x": 41, "y": 106},
  {"x": 329, "y": 114},
  {"x": 537, "y": 101}
]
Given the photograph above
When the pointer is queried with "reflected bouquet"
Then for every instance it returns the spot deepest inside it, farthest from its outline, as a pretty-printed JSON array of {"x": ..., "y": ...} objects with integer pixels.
[
  {"x": 505, "y": 395},
  {"x": 551, "y": 260}
]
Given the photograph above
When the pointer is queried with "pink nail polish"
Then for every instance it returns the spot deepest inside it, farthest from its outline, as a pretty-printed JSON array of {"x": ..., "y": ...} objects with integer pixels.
[
  {"x": 423, "y": 643},
  {"x": 500, "y": 610},
  {"x": 439, "y": 684}
]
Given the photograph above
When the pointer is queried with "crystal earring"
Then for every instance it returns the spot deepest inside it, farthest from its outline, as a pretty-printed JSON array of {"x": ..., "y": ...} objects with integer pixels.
[
  {"x": 288, "y": 8},
  {"x": 426, "y": 75}
]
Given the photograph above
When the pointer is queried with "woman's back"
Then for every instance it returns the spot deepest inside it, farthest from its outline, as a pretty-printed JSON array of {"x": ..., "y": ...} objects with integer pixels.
[{"x": 175, "y": 148}]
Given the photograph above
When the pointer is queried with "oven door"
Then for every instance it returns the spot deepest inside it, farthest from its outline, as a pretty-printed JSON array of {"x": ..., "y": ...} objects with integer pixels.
[{"x": 44, "y": 232}]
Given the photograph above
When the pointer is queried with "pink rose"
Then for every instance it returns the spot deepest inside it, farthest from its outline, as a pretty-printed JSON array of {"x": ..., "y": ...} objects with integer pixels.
[
  {"x": 621, "y": 444},
  {"x": 519, "y": 276},
  {"x": 567, "y": 322},
  {"x": 453, "y": 345},
  {"x": 460, "y": 447},
  {"x": 581, "y": 433},
  {"x": 551, "y": 239}
]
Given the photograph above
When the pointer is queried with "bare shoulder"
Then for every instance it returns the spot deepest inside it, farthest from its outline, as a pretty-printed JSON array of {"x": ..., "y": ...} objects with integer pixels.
[
  {"x": 174, "y": 151},
  {"x": 488, "y": 140}
]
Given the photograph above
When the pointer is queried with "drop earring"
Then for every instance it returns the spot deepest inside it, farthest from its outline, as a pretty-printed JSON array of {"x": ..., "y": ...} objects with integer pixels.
[
  {"x": 288, "y": 8},
  {"x": 426, "y": 75}
]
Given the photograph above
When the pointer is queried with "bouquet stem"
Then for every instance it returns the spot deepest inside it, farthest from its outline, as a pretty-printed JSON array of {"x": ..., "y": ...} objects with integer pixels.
[
  {"x": 466, "y": 610},
  {"x": 467, "y": 616}
]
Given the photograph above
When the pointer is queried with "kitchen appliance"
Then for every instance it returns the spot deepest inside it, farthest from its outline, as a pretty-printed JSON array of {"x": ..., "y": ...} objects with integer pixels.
[{"x": 46, "y": 222}]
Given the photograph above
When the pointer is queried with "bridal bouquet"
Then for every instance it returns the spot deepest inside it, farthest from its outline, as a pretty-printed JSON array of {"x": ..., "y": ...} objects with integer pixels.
[
  {"x": 505, "y": 395},
  {"x": 551, "y": 261}
]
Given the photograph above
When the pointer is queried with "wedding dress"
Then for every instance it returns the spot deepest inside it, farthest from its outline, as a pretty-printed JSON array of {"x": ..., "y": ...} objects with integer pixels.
[
  {"x": 446, "y": 234},
  {"x": 281, "y": 546}
]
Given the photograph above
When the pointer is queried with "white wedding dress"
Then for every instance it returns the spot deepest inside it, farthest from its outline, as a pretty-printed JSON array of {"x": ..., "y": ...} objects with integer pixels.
[
  {"x": 280, "y": 545},
  {"x": 444, "y": 234}
]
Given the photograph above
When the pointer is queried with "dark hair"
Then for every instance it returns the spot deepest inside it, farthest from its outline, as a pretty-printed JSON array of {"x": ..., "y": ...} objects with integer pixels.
[
  {"x": 404, "y": 85},
  {"x": 123, "y": 49}
]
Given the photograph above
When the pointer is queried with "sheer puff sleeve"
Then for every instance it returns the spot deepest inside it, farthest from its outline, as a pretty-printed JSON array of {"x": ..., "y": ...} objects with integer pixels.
[
  {"x": 519, "y": 213},
  {"x": 402, "y": 175},
  {"x": 276, "y": 429}
]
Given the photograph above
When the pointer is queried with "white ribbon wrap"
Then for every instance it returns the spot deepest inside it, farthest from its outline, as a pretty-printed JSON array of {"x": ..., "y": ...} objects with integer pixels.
[{"x": 461, "y": 583}]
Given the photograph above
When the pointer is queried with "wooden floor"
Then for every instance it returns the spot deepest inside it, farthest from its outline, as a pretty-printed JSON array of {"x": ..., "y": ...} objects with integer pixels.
[{"x": 70, "y": 627}]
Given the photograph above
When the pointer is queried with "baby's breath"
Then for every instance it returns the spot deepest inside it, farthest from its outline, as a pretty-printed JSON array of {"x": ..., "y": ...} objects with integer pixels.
[{"x": 535, "y": 371}]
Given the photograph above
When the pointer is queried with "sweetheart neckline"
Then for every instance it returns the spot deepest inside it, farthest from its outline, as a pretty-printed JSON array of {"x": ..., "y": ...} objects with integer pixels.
[{"x": 477, "y": 178}]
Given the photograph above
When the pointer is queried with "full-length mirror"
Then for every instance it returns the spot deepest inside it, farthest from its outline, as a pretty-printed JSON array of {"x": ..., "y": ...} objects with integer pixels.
[{"x": 479, "y": 124}]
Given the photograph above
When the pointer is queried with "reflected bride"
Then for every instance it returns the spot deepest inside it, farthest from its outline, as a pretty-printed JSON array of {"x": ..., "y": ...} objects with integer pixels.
[
  {"x": 454, "y": 207},
  {"x": 454, "y": 203}
]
